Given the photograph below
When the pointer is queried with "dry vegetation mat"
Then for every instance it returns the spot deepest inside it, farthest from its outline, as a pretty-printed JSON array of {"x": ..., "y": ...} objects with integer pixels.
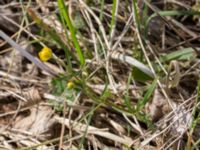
[{"x": 99, "y": 74}]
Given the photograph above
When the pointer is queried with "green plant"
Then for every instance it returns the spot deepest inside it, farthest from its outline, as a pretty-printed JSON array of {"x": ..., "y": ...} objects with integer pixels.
[{"x": 66, "y": 19}]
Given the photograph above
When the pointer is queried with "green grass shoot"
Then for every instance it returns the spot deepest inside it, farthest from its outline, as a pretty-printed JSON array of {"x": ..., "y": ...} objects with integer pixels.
[{"x": 64, "y": 12}]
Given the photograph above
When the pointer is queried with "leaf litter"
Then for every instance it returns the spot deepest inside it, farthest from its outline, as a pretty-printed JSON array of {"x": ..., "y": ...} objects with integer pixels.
[{"x": 113, "y": 104}]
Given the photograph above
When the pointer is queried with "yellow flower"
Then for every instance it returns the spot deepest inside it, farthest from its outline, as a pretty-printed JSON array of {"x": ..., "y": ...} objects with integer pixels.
[
  {"x": 45, "y": 54},
  {"x": 70, "y": 85}
]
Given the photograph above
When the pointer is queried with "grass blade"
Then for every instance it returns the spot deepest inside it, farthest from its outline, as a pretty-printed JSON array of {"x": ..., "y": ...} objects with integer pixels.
[
  {"x": 113, "y": 20},
  {"x": 184, "y": 54},
  {"x": 147, "y": 96},
  {"x": 64, "y": 12}
]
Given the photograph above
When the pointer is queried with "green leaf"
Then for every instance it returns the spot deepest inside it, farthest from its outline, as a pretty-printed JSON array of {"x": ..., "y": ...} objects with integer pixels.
[
  {"x": 78, "y": 22},
  {"x": 59, "y": 85},
  {"x": 141, "y": 103},
  {"x": 183, "y": 54},
  {"x": 138, "y": 75}
]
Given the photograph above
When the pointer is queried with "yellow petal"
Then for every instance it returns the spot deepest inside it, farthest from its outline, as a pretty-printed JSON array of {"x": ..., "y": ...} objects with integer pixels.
[
  {"x": 45, "y": 54},
  {"x": 70, "y": 85}
]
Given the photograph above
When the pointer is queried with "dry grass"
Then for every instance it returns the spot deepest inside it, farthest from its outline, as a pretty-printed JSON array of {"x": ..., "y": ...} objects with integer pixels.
[{"x": 134, "y": 69}]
